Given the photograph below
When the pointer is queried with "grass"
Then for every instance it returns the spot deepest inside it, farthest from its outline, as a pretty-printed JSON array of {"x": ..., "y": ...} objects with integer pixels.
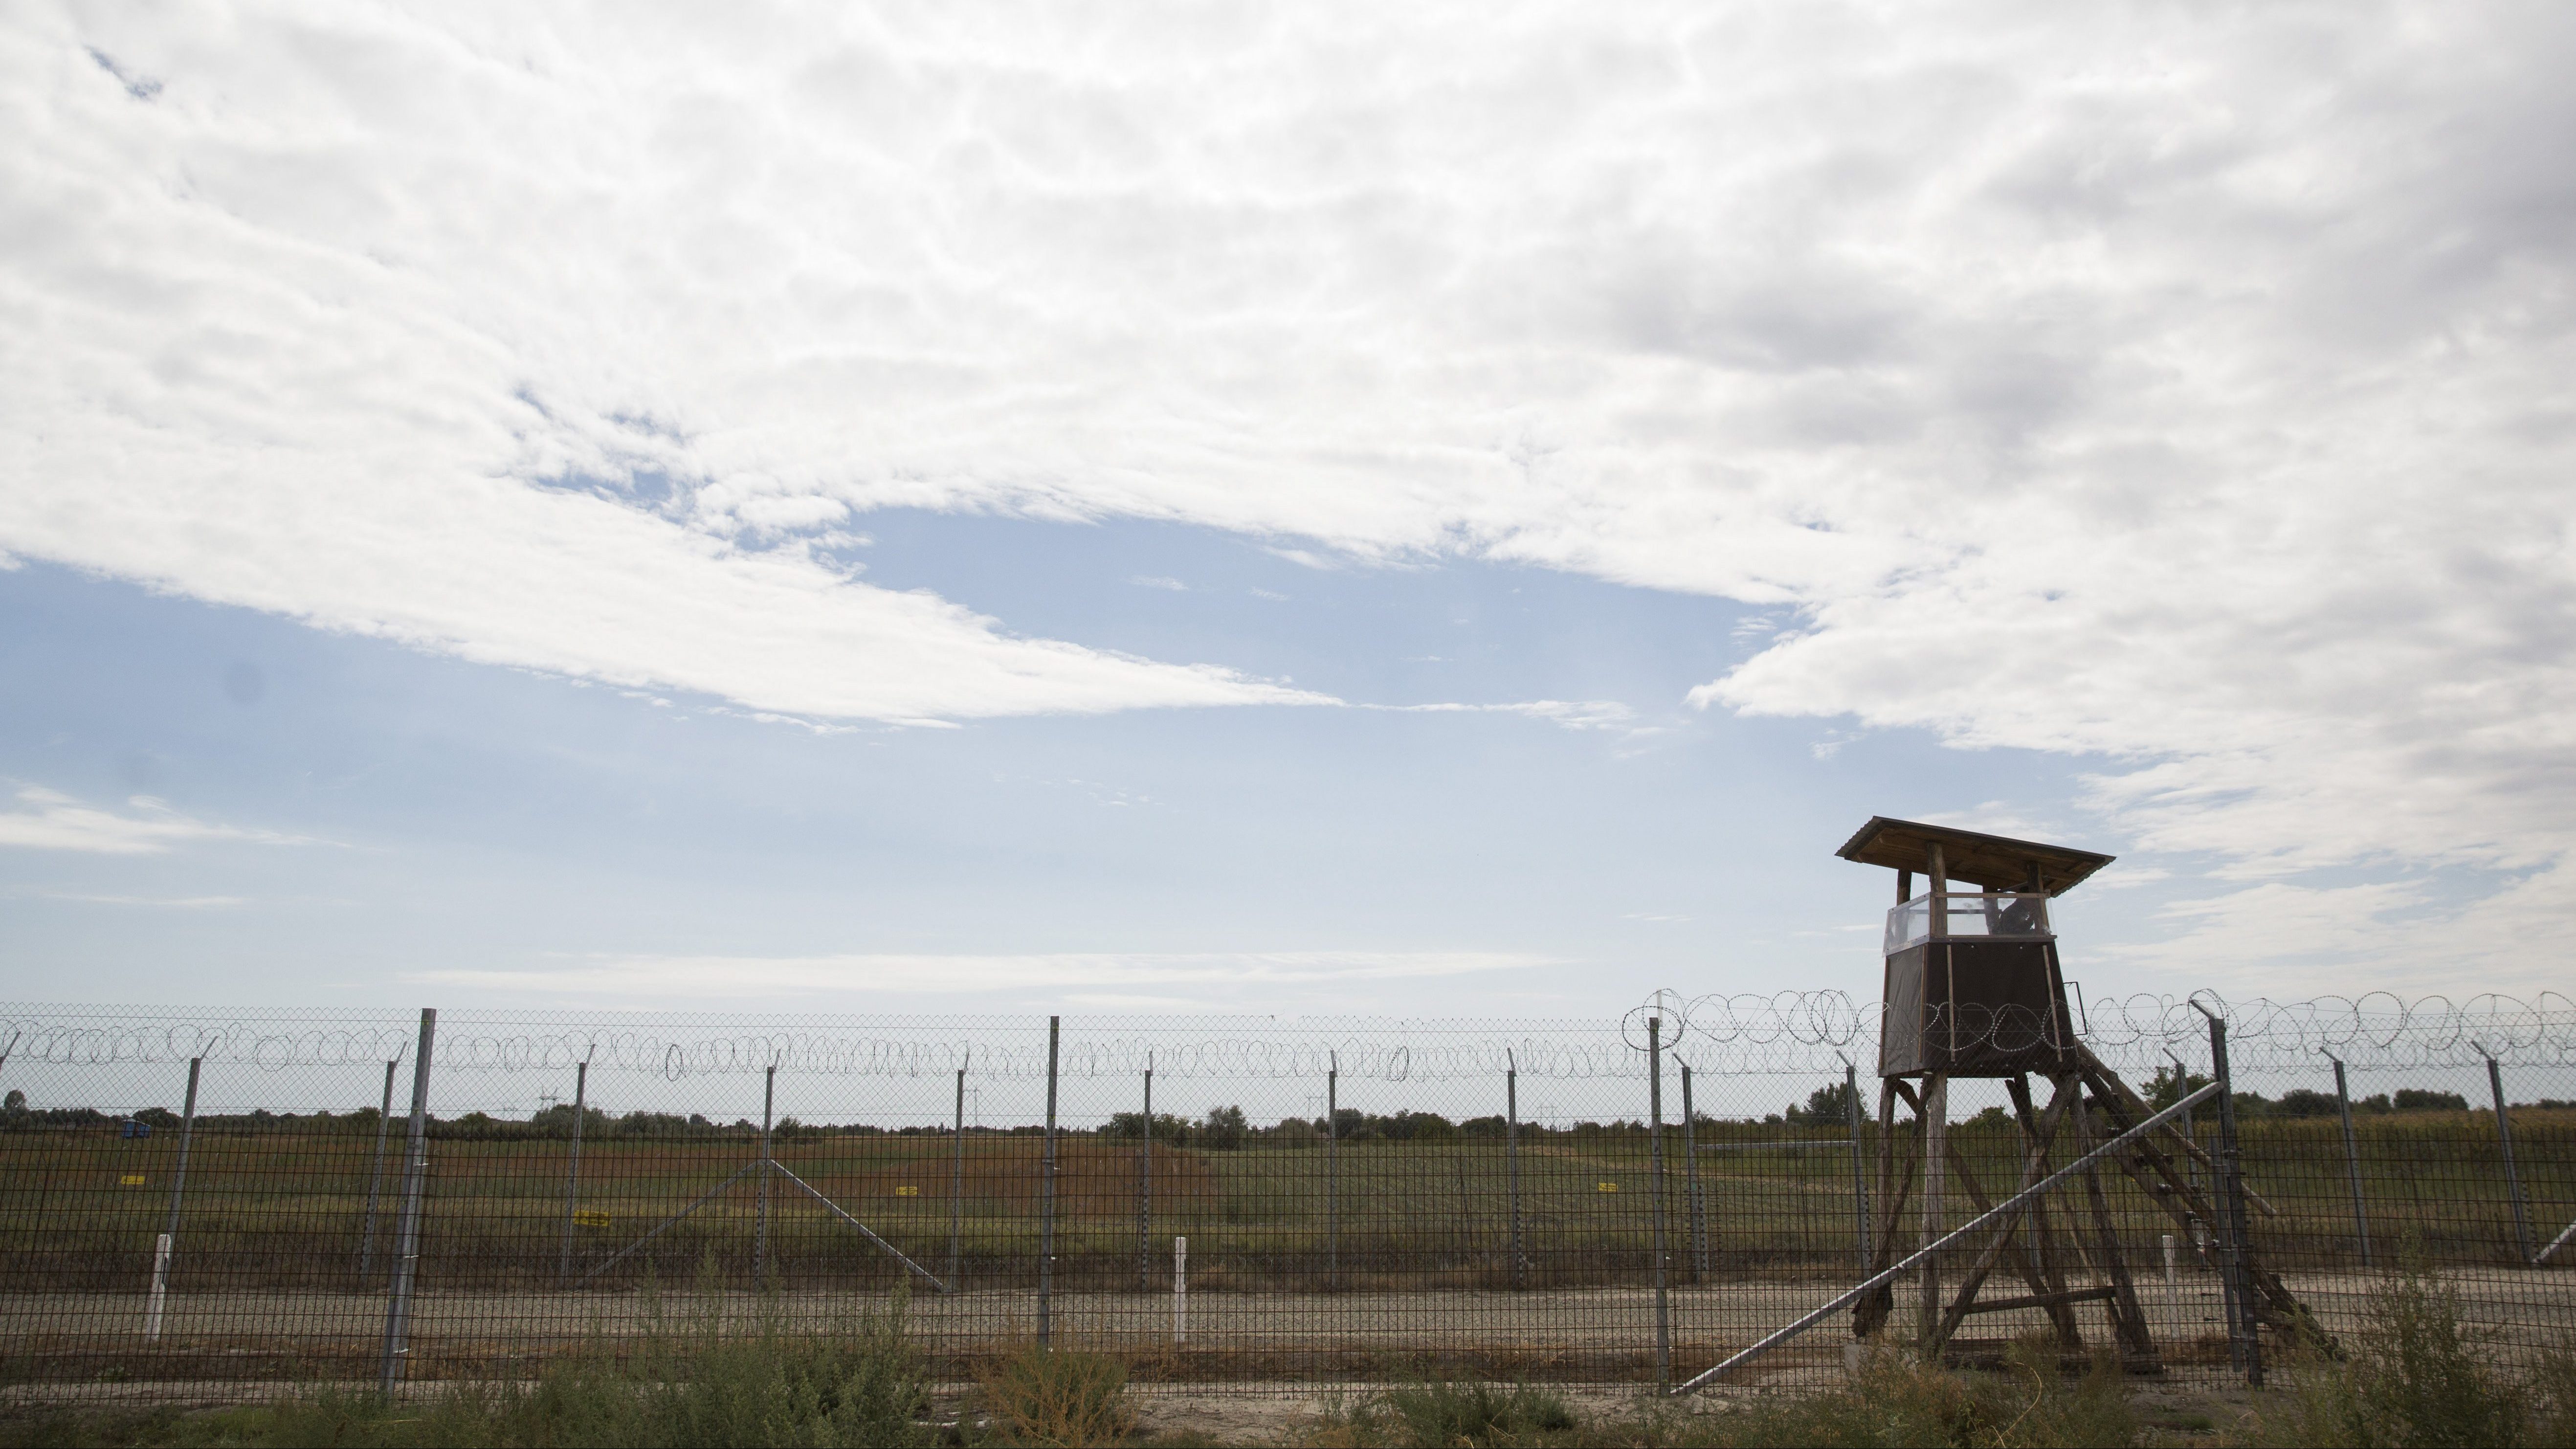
[
  {"x": 2416, "y": 1378},
  {"x": 1895, "y": 1400},
  {"x": 286, "y": 1208},
  {"x": 1438, "y": 1414},
  {"x": 704, "y": 1378},
  {"x": 1899, "y": 1400}
]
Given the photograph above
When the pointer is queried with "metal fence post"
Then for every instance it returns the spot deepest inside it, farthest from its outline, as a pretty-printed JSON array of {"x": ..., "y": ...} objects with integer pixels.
[
  {"x": 169, "y": 1243},
  {"x": 407, "y": 1220},
  {"x": 1512, "y": 1161},
  {"x": 760, "y": 1215},
  {"x": 1333, "y": 1170},
  {"x": 957, "y": 1187},
  {"x": 376, "y": 1180},
  {"x": 1145, "y": 1189},
  {"x": 1860, "y": 1183},
  {"x": 1935, "y": 1114},
  {"x": 2512, "y": 1176},
  {"x": 1690, "y": 1179},
  {"x": 1655, "y": 1160},
  {"x": 2351, "y": 1157},
  {"x": 1046, "y": 1198},
  {"x": 2244, "y": 1339},
  {"x": 572, "y": 1163}
]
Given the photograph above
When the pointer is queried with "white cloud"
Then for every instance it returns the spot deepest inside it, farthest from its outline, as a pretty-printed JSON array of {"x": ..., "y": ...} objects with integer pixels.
[
  {"x": 175, "y": 903},
  {"x": 2183, "y": 389},
  {"x": 1155, "y": 581},
  {"x": 1090, "y": 974},
  {"x": 1572, "y": 714},
  {"x": 42, "y": 819},
  {"x": 2275, "y": 925}
]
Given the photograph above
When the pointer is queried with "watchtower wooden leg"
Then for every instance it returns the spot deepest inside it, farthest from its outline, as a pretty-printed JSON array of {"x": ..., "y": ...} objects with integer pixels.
[
  {"x": 2034, "y": 1155},
  {"x": 2061, "y": 1316},
  {"x": 2128, "y": 1320},
  {"x": 2185, "y": 1202},
  {"x": 1869, "y": 1314}
]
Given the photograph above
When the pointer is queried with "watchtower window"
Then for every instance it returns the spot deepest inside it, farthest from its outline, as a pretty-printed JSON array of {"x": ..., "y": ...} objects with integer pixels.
[{"x": 2018, "y": 914}]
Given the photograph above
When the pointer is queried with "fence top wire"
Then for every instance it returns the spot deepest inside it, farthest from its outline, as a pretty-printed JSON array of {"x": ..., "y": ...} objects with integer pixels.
[{"x": 1784, "y": 1033}]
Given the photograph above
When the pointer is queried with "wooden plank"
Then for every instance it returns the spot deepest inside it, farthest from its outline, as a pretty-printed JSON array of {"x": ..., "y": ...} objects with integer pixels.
[
  {"x": 1994, "y": 861},
  {"x": 1872, "y": 1311},
  {"x": 2035, "y": 1154},
  {"x": 2042, "y": 1234},
  {"x": 2128, "y": 1320},
  {"x": 2108, "y": 1083},
  {"x": 2292, "y": 1313},
  {"x": 1936, "y": 1139},
  {"x": 2043, "y": 1300}
]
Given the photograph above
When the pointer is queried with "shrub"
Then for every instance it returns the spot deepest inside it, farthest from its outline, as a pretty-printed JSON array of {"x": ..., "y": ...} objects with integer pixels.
[
  {"x": 1898, "y": 1399},
  {"x": 714, "y": 1380},
  {"x": 2416, "y": 1379},
  {"x": 1062, "y": 1397},
  {"x": 1439, "y": 1413}
]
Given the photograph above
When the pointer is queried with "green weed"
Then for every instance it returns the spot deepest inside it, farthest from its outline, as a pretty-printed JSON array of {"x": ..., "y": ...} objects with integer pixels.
[
  {"x": 711, "y": 1379},
  {"x": 1441, "y": 1413},
  {"x": 1898, "y": 1399},
  {"x": 2416, "y": 1379},
  {"x": 1063, "y": 1397}
]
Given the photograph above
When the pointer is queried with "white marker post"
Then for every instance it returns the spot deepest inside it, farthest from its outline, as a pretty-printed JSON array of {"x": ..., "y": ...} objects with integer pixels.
[
  {"x": 2173, "y": 1282},
  {"x": 1180, "y": 1290},
  {"x": 160, "y": 1288}
]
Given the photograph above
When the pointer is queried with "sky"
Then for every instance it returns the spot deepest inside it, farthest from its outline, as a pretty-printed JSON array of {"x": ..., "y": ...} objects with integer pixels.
[{"x": 1443, "y": 511}]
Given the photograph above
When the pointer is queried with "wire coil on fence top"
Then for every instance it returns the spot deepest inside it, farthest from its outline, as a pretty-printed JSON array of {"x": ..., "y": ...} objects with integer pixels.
[{"x": 1785, "y": 1032}]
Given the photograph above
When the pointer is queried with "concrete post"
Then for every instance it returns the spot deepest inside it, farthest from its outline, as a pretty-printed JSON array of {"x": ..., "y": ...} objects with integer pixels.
[
  {"x": 376, "y": 1181},
  {"x": 572, "y": 1164},
  {"x": 407, "y": 1221}
]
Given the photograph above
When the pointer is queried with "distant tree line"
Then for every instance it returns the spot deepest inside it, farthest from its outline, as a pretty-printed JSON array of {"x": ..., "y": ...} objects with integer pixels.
[{"x": 1223, "y": 1129}]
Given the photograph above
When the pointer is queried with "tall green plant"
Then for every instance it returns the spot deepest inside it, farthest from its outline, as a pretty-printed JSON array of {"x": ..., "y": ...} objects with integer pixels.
[
  {"x": 2415, "y": 1380},
  {"x": 1061, "y": 1398}
]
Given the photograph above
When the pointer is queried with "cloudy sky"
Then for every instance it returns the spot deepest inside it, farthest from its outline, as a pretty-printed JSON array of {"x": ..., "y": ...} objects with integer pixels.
[{"x": 1294, "y": 509}]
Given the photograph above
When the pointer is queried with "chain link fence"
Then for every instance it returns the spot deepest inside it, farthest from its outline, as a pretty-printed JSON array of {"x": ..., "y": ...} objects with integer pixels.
[{"x": 195, "y": 1198}]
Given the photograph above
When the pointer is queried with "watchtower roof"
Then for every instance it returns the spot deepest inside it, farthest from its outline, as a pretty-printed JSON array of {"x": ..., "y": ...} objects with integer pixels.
[{"x": 1993, "y": 861}]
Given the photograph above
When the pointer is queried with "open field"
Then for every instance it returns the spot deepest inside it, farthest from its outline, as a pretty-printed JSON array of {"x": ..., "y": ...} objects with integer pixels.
[{"x": 288, "y": 1209}]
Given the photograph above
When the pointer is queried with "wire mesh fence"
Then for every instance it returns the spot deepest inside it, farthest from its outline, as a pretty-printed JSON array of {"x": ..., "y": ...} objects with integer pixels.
[{"x": 189, "y": 1197}]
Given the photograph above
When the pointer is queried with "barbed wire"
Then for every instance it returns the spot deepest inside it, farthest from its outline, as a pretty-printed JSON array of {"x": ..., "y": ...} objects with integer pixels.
[
  {"x": 2377, "y": 1030},
  {"x": 1784, "y": 1033}
]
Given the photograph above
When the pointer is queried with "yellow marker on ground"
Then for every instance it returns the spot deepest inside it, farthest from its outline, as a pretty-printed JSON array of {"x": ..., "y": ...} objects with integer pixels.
[
  {"x": 590, "y": 1217},
  {"x": 134, "y": 1179},
  {"x": 1608, "y": 1186},
  {"x": 907, "y": 1190}
]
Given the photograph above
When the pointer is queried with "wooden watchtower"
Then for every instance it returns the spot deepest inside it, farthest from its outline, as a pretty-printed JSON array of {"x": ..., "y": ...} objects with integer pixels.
[{"x": 1974, "y": 988}]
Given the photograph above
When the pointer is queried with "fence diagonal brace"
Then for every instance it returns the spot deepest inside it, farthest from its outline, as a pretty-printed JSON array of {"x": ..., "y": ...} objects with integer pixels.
[
  {"x": 865, "y": 1231},
  {"x": 667, "y": 1223},
  {"x": 1891, "y": 1273},
  {"x": 2034, "y": 1166},
  {"x": 2555, "y": 1244}
]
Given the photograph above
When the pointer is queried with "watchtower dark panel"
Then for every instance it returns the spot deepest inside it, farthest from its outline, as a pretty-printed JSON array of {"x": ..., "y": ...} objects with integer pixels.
[
  {"x": 1972, "y": 1008},
  {"x": 1900, "y": 1030}
]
